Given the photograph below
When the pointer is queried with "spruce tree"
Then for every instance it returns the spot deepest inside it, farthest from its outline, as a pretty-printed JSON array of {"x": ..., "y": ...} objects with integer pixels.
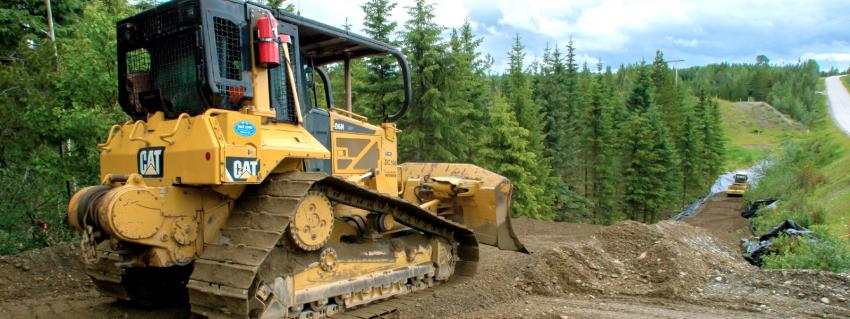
[
  {"x": 715, "y": 143},
  {"x": 652, "y": 172},
  {"x": 430, "y": 131},
  {"x": 586, "y": 88},
  {"x": 382, "y": 88},
  {"x": 553, "y": 102},
  {"x": 467, "y": 89},
  {"x": 640, "y": 184},
  {"x": 571, "y": 127},
  {"x": 615, "y": 96},
  {"x": 689, "y": 144},
  {"x": 531, "y": 117},
  {"x": 602, "y": 151},
  {"x": 666, "y": 93},
  {"x": 506, "y": 150},
  {"x": 641, "y": 96},
  {"x": 652, "y": 175},
  {"x": 667, "y": 168}
]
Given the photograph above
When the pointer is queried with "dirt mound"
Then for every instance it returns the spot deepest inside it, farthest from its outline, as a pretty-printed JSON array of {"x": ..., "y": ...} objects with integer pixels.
[
  {"x": 667, "y": 260},
  {"x": 50, "y": 270},
  {"x": 529, "y": 227}
]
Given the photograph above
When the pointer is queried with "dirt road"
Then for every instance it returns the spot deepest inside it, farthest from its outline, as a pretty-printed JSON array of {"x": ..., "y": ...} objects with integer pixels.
[
  {"x": 721, "y": 215},
  {"x": 629, "y": 270},
  {"x": 839, "y": 102}
]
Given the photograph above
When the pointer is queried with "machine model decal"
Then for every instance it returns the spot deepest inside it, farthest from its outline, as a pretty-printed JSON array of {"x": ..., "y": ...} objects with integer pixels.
[
  {"x": 343, "y": 126},
  {"x": 244, "y": 128},
  {"x": 150, "y": 160},
  {"x": 239, "y": 169}
]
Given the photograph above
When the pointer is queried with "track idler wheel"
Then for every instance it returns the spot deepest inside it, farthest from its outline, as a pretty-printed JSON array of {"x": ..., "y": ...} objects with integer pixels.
[{"x": 312, "y": 224}]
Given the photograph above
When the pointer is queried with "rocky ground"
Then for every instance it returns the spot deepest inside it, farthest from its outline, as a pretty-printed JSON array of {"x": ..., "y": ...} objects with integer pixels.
[{"x": 630, "y": 270}]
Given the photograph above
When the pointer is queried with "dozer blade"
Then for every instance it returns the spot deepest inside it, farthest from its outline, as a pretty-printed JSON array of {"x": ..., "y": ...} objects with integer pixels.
[{"x": 486, "y": 211}]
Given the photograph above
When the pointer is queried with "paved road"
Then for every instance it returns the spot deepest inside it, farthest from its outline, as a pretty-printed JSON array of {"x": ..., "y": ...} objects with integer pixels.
[{"x": 839, "y": 103}]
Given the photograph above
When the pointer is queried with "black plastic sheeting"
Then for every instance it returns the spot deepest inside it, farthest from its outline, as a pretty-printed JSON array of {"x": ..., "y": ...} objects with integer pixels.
[
  {"x": 751, "y": 210},
  {"x": 755, "y": 250}
]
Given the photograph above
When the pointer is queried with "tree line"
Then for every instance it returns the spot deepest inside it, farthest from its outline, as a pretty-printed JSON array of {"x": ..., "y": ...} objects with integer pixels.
[
  {"x": 580, "y": 143},
  {"x": 789, "y": 88}
]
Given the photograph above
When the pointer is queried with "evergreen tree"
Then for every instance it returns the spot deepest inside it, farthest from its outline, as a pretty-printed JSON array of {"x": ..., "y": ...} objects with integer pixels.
[
  {"x": 641, "y": 96},
  {"x": 668, "y": 174},
  {"x": 586, "y": 88},
  {"x": 382, "y": 85},
  {"x": 553, "y": 102},
  {"x": 666, "y": 93},
  {"x": 430, "y": 131},
  {"x": 571, "y": 127},
  {"x": 715, "y": 140},
  {"x": 689, "y": 144},
  {"x": 712, "y": 146},
  {"x": 652, "y": 172},
  {"x": 506, "y": 150},
  {"x": 468, "y": 93},
  {"x": 640, "y": 184},
  {"x": 602, "y": 151},
  {"x": 530, "y": 116},
  {"x": 27, "y": 19}
]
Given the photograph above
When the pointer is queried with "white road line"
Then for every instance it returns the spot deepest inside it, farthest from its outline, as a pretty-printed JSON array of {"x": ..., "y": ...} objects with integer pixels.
[{"x": 839, "y": 103}]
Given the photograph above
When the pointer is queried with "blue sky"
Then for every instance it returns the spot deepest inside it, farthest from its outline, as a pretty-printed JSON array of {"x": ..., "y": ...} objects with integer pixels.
[{"x": 626, "y": 31}]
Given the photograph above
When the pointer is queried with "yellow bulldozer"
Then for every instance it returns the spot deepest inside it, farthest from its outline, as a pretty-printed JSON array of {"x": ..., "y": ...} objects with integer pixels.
[
  {"x": 233, "y": 192},
  {"x": 739, "y": 186}
]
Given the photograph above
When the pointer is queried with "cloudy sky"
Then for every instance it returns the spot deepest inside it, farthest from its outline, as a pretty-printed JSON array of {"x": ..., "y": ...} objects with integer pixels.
[{"x": 626, "y": 31}]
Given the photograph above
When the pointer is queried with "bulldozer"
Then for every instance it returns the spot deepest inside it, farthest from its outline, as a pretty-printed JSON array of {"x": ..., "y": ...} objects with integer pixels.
[
  {"x": 238, "y": 188},
  {"x": 739, "y": 185}
]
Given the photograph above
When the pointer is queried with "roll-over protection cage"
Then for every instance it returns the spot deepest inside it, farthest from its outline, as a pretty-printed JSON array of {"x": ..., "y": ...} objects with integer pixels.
[{"x": 186, "y": 56}]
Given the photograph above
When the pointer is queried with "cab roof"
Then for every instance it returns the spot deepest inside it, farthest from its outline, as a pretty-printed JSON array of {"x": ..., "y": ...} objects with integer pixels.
[{"x": 325, "y": 44}]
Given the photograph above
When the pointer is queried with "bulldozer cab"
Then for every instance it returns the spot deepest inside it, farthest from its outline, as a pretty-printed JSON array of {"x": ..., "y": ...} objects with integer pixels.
[
  {"x": 187, "y": 56},
  {"x": 741, "y": 178}
]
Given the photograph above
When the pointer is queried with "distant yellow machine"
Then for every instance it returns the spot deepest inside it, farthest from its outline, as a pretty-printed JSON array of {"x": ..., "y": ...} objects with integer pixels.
[
  {"x": 232, "y": 191},
  {"x": 739, "y": 186}
]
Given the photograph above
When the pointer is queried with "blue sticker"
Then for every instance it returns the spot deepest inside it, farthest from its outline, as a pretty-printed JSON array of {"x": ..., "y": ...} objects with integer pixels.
[{"x": 244, "y": 128}]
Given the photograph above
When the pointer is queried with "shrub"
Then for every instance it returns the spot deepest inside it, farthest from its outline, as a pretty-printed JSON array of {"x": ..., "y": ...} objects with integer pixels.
[{"x": 826, "y": 253}]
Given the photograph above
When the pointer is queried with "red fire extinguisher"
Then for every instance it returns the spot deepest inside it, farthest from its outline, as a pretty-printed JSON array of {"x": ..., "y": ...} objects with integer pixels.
[{"x": 268, "y": 43}]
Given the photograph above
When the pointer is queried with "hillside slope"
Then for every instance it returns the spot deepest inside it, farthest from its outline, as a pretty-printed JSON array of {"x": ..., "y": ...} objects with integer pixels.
[
  {"x": 753, "y": 129},
  {"x": 810, "y": 176}
]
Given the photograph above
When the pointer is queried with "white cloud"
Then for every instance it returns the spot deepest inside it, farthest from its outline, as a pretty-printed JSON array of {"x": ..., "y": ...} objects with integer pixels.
[
  {"x": 492, "y": 30},
  {"x": 599, "y": 24},
  {"x": 549, "y": 18},
  {"x": 447, "y": 13},
  {"x": 827, "y": 56},
  {"x": 688, "y": 43},
  {"x": 451, "y": 13},
  {"x": 591, "y": 61},
  {"x": 622, "y": 31}
]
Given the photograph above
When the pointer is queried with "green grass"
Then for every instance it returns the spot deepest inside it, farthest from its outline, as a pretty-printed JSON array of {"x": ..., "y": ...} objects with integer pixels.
[
  {"x": 833, "y": 195},
  {"x": 753, "y": 131},
  {"x": 811, "y": 177},
  {"x": 846, "y": 81}
]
